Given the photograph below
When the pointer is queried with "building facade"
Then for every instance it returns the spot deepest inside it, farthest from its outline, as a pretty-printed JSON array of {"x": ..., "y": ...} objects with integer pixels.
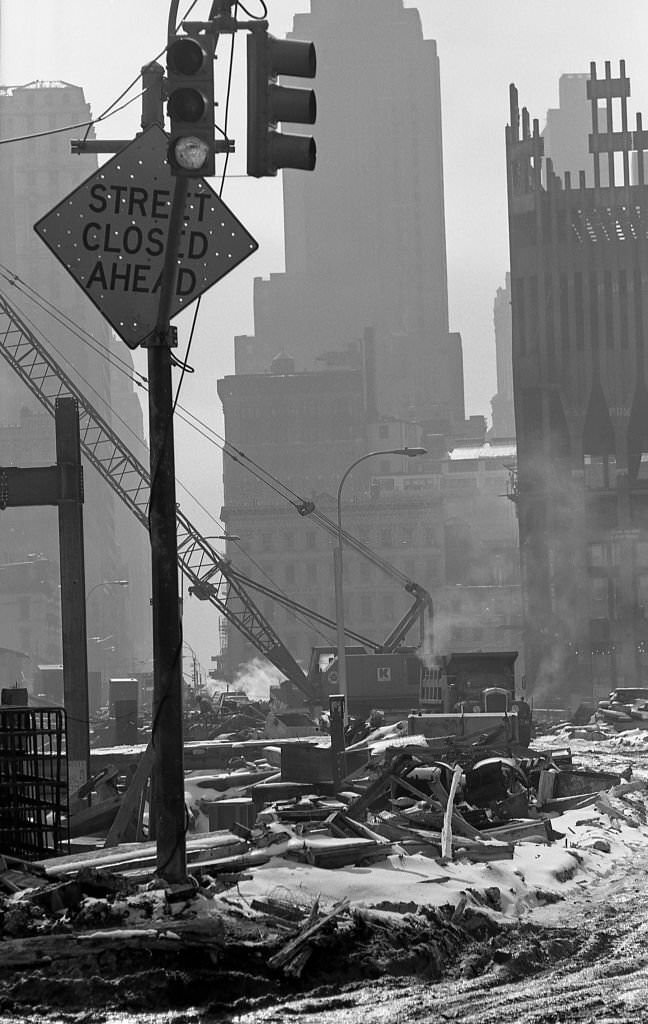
[
  {"x": 503, "y": 425},
  {"x": 365, "y": 233},
  {"x": 579, "y": 299},
  {"x": 35, "y": 174},
  {"x": 443, "y": 521},
  {"x": 352, "y": 353}
]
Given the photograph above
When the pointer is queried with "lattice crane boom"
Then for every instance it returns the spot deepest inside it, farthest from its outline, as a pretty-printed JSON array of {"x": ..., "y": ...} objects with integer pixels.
[{"x": 208, "y": 572}]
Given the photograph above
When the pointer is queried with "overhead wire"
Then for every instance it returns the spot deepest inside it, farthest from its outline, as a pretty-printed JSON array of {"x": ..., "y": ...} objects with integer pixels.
[
  {"x": 210, "y": 434},
  {"x": 279, "y": 487}
]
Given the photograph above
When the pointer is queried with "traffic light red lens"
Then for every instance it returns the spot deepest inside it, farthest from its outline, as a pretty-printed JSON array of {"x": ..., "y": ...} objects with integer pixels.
[
  {"x": 187, "y": 105},
  {"x": 185, "y": 56}
]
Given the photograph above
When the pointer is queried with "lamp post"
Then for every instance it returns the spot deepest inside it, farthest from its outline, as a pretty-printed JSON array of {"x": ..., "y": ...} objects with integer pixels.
[{"x": 337, "y": 568}]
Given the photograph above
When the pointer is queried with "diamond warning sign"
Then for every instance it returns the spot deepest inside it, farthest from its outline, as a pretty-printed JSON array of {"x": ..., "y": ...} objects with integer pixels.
[{"x": 111, "y": 233}]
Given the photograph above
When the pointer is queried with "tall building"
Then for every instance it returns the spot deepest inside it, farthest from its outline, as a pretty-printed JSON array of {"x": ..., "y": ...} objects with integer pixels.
[
  {"x": 502, "y": 403},
  {"x": 352, "y": 353},
  {"x": 35, "y": 174},
  {"x": 579, "y": 284},
  {"x": 567, "y": 129},
  {"x": 365, "y": 233}
]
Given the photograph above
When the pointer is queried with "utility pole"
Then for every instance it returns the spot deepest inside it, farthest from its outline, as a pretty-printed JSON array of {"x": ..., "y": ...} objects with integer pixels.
[{"x": 167, "y": 741}]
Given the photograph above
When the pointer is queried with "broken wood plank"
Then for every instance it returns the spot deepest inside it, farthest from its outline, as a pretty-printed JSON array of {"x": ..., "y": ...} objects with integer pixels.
[
  {"x": 446, "y": 831},
  {"x": 568, "y": 803},
  {"x": 292, "y": 948},
  {"x": 344, "y": 827},
  {"x": 538, "y": 829},
  {"x": 132, "y": 803},
  {"x": 373, "y": 793},
  {"x": 131, "y": 855},
  {"x": 347, "y": 854}
]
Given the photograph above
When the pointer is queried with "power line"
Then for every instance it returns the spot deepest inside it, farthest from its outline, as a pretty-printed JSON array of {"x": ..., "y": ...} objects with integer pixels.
[{"x": 275, "y": 484}]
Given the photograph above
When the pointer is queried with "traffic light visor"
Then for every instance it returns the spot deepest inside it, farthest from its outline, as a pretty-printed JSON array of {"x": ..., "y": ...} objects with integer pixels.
[
  {"x": 292, "y": 57},
  {"x": 186, "y": 56}
]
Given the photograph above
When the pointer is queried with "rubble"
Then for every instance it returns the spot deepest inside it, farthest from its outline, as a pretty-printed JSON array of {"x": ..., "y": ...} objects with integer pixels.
[{"x": 427, "y": 845}]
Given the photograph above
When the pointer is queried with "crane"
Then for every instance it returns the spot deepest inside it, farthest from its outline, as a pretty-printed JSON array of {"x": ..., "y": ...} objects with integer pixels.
[{"x": 211, "y": 576}]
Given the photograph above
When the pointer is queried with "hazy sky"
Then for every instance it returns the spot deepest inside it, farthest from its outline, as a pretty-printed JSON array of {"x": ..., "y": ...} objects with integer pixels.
[{"x": 483, "y": 45}]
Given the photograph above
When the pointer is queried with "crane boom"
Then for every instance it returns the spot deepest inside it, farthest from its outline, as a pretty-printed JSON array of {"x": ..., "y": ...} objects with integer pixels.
[{"x": 207, "y": 570}]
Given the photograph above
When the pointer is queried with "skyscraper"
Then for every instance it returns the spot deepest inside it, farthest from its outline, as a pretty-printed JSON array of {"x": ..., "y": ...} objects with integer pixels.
[
  {"x": 352, "y": 353},
  {"x": 35, "y": 174},
  {"x": 502, "y": 402},
  {"x": 365, "y": 233}
]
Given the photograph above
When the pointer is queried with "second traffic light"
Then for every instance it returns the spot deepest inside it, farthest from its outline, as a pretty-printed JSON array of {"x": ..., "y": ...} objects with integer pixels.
[
  {"x": 190, "y": 95},
  {"x": 268, "y": 103}
]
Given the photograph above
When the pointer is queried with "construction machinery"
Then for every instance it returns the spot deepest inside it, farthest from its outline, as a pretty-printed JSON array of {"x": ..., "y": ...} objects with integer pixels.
[
  {"x": 211, "y": 576},
  {"x": 380, "y": 673}
]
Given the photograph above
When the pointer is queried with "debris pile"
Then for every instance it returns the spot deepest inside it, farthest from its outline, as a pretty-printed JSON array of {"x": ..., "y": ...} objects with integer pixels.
[
  {"x": 625, "y": 708},
  {"x": 419, "y": 861}
]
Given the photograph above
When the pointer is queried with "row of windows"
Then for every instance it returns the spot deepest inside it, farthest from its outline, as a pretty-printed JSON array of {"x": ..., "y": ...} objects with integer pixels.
[
  {"x": 607, "y": 554},
  {"x": 383, "y": 536},
  {"x": 605, "y": 601},
  {"x": 313, "y": 573}
]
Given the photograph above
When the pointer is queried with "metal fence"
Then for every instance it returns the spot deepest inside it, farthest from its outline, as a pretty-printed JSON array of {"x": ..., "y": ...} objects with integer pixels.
[{"x": 33, "y": 782}]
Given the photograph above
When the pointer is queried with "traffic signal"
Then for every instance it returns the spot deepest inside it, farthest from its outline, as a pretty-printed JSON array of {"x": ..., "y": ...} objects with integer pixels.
[
  {"x": 190, "y": 104},
  {"x": 268, "y": 103}
]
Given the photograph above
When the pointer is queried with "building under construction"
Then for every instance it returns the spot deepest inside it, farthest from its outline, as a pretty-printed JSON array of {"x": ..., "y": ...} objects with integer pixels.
[{"x": 579, "y": 286}]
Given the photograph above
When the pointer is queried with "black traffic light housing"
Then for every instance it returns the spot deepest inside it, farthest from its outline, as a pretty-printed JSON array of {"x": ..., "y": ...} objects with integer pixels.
[
  {"x": 190, "y": 104},
  {"x": 268, "y": 103}
]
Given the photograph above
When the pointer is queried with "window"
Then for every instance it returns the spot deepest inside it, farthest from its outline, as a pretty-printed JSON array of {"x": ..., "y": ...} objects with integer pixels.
[
  {"x": 597, "y": 555},
  {"x": 599, "y": 597},
  {"x": 642, "y": 595}
]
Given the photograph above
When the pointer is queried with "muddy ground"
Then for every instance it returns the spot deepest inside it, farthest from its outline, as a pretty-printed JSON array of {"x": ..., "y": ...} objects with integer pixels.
[
  {"x": 578, "y": 960},
  {"x": 463, "y": 958}
]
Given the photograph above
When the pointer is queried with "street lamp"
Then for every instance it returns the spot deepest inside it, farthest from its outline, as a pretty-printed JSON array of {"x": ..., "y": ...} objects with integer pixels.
[{"x": 337, "y": 568}]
